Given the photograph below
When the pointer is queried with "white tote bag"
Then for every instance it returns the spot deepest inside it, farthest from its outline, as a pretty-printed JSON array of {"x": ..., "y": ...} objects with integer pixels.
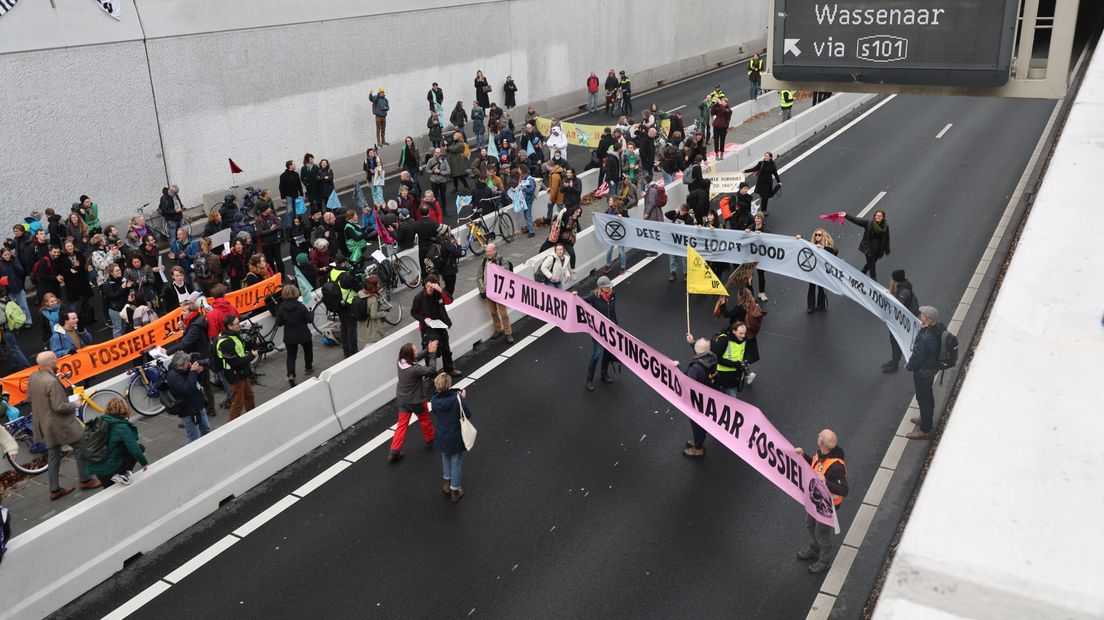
[{"x": 467, "y": 430}]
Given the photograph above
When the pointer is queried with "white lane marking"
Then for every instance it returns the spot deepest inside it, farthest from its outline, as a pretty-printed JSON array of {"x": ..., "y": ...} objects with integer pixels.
[
  {"x": 488, "y": 367},
  {"x": 826, "y": 600},
  {"x": 518, "y": 346},
  {"x": 945, "y": 130},
  {"x": 870, "y": 206},
  {"x": 675, "y": 109},
  {"x": 376, "y": 442},
  {"x": 138, "y": 601},
  {"x": 259, "y": 520},
  {"x": 321, "y": 478},
  {"x": 543, "y": 329},
  {"x": 818, "y": 146},
  {"x": 204, "y": 557}
]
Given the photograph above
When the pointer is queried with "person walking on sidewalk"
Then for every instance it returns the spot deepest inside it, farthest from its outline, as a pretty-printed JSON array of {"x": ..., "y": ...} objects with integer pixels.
[
  {"x": 55, "y": 424},
  {"x": 722, "y": 117},
  {"x": 924, "y": 364},
  {"x": 755, "y": 76},
  {"x": 500, "y": 315},
  {"x": 830, "y": 469},
  {"x": 448, "y": 405},
  {"x": 380, "y": 108},
  {"x": 235, "y": 360},
  {"x": 702, "y": 368},
  {"x": 604, "y": 301},
  {"x": 592, "y": 92},
  {"x": 766, "y": 174},
  {"x": 410, "y": 395},
  {"x": 123, "y": 449},
  {"x": 900, "y": 288},
  {"x": 786, "y": 98},
  {"x": 875, "y": 240}
]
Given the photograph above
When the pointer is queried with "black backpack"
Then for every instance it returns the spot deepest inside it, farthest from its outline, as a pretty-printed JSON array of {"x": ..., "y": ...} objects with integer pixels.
[
  {"x": 331, "y": 296},
  {"x": 93, "y": 441},
  {"x": 360, "y": 308},
  {"x": 948, "y": 349}
]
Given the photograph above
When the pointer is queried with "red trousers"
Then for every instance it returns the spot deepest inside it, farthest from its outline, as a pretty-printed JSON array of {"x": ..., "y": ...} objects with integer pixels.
[{"x": 404, "y": 422}]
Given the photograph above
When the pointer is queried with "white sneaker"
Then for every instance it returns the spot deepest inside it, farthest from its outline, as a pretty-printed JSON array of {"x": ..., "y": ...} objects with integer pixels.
[
  {"x": 122, "y": 478},
  {"x": 762, "y": 297},
  {"x": 750, "y": 378}
]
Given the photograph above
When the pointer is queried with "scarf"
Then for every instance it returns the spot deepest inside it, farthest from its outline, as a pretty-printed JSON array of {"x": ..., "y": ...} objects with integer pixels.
[{"x": 879, "y": 228}]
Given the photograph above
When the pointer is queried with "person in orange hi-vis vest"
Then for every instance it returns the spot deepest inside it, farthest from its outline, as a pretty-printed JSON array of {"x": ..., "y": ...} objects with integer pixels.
[{"x": 831, "y": 470}]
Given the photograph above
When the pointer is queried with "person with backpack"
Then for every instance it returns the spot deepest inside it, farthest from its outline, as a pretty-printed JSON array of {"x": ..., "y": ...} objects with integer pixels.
[
  {"x": 901, "y": 288},
  {"x": 366, "y": 311},
  {"x": 450, "y": 258},
  {"x": 702, "y": 368},
  {"x": 337, "y": 294},
  {"x": 123, "y": 451},
  {"x": 206, "y": 268},
  {"x": 235, "y": 359},
  {"x": 500, "y": 316},
  {"x": 49, "y": 271},
  {"x": 554, "y": 270},
  {"x": 183, "y": 383},
  {"x": 14, "y": 320},
  {"x": 295, "y": 318},
  {"x": 55, "y": 425},
  {"x": 655, "y": 198},
  {"x": 410, "y": 395},
  {"x": 729, "y": 347},
  {"x": 924, "y": 364},
  {"x": 12, "y": 268}
]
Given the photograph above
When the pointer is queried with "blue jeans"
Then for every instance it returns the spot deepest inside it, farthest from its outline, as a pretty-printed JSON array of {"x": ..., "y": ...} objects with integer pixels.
[
  {"x": 20, "y": 300},
  {"x": 552, "y": 211},
  {"x": 668, "y": 178},
  {"x": 479, "y": 140},
  {"x": 609, "y": 256},
  {"x": 528, "y": 212},
  {"x": 452, "y": 467},
  {"x": 676, "y": 261},
  {"x": 558, "y": 285},
  {"x": 171, "y": 226},
  {"x": 195, "y": 430},
  {"x": 753, "y": 93},
  {"x": 377, "y": 195},
  {"x": 11, "y": 343},
  {"x": 116, "y": 322},
  {"x": 595, "y": 356},
  {"x": 731, "y": 391},
  {"x": 225, "y": 383},
  {"x": 592, "y": 101}
]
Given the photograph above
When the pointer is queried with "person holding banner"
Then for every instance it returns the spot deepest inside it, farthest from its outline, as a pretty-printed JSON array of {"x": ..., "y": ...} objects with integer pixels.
[
  {"x": 830, "y": 468},
  {"x": 702, "y": 368},
  {"x": 604, "y": 301},
  {"x": 757, "y": 226},
  {"x": 901, "y": 288},
  {"x": 817, "y": 299},
  {"x": 615, "y": 208},
  {"x": 433, "y": 320}
]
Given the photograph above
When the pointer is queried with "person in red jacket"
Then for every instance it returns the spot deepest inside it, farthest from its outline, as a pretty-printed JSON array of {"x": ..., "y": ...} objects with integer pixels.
[
  {"x": 592, "y": 92},
  {"x": 428, "y": 200},
  {"x": 220, "y": 310},
  {"x": 722, "y": 117}
]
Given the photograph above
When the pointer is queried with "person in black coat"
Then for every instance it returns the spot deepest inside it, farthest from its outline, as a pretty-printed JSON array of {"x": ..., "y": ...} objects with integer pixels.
[
  {"x": 451, "y": 253},
  {"x": 875, "y": 240},
  {"x": 767, "y": 173},
  {"x": 448, "y": 439},
  {"x": 901, "y": 288},
  {"x": 325, "y": 181},
  {"x": 817, "y": 299},
  {"x": 196, "y": 342},
  {"x": 78, "y": 290},
  {"x": 183, "y": 381},
  {"x": 509, "y": 92},
  {"x": 291, "y": 187},
  {"x": 426, "y": 229},
  {"x": 429, "y": 304},
  {"x": 924, "y": 364},
  {"x": 295, "y": 318}
]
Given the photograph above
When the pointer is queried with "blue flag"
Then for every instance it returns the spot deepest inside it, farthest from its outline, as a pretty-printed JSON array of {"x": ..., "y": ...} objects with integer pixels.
[
  {"x": 528, "y": 147},
  {"x": 492, "y": 150},
  {"x": 333, "y": 203},
  {"x": 305, "y": 294}
]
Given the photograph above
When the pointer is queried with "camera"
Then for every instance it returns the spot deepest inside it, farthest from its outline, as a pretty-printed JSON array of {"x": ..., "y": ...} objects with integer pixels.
[{"x": 196, "y": 359}]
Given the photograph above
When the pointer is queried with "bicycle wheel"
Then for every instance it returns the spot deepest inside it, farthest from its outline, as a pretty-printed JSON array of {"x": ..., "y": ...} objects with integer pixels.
[
  {"x": 319, "y": 317},
  {"x": 31, "y": 458},
  {"x": 392, "y": 312},
  {"x": 141, "y": 394},
  {"x": 505, "y": 226},
  {"x": 479, "y": 241},
  {"x": 99, "y": 399},
  {"x": 408, "y": 271}
]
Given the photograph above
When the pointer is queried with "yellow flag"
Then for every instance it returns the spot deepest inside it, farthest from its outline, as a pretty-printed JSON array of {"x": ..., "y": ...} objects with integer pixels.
[{"x": 700, "y": 279}]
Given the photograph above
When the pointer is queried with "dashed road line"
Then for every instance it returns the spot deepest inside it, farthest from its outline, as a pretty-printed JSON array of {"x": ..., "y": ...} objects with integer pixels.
[
  {"x": 940, "y": 135},
  {"x": 871, "y": 204}
]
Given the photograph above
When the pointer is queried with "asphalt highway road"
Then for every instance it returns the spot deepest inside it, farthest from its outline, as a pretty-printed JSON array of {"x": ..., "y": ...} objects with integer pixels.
[{"x": 580, "y": 504}]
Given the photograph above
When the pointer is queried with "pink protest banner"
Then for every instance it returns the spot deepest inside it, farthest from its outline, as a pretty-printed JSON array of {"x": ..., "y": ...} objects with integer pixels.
[{"x": 741, "y": 427}]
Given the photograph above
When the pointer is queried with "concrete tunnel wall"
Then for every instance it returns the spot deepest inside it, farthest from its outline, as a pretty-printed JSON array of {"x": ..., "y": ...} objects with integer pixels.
[{"x": 118, "y": 109}]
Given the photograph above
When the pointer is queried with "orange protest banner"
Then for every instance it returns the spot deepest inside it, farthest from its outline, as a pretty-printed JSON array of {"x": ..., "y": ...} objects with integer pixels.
[{"x": 98, "y": 358}]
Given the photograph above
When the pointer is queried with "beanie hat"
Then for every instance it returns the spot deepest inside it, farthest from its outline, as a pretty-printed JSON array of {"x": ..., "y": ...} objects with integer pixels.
[
  {"x": 301, "y": 258},
  {"x": 899, "y": 275}
]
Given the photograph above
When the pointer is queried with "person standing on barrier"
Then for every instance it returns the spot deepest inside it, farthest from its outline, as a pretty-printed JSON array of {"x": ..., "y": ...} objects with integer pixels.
[
  {"x": 411, "y": 396},
  {"x": 702, "y": 368},
  {"x": 829, "y": 467},
  {"x": 924, "y": 364},
  {"x": 55, "y": 425},
  {"x": 722, "y": 117},
  {"x": 447, "y": 406},
  {"x": 429, "y": 307},
  {"x": 500, "y": 314},
  {"x": 123, "y": 449},
  {"x": 604, "y": 301},
  {"x": 900, "y": 288},
  {"x": 235, "y": 360},
  {"x": 183, "y": 381}
]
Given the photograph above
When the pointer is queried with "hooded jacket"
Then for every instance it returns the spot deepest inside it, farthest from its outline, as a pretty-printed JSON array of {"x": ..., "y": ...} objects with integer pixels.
[
  {"x": 217, "y": 315},
  {"x": 702, "y": 367}
]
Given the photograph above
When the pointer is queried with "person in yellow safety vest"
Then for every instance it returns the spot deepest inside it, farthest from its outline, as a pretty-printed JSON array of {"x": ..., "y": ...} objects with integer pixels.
[
  {"x": 730, "y": 347},
  {"x": 831, "y": 471},
  {"x": 716, "y": 94},
  {"x": 787, "y": 101},
  {"x": 347, "y": 285},
  {"x": 234, "y": 359},
  {"x": 755, "y": 75}
]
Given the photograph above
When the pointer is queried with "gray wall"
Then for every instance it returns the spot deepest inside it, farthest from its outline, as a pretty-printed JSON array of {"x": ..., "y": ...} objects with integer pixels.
[{"x": 91, "y": 100}]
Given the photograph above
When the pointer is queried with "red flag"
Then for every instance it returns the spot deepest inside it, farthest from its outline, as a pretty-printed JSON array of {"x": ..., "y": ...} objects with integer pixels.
[
  {"x": 833, "y": 217},
  {"x": 234, "y": 168}
]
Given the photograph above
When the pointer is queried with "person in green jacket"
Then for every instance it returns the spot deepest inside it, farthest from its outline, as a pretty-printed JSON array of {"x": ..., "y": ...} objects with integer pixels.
[
  {"x": 90, "y": 213},
  {"x": 123, "y": 449}
]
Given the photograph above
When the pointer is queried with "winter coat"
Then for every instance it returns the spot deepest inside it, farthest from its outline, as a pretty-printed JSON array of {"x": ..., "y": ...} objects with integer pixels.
[
  {"x": 458, "y": 117},
  {"x": 325, "y": 182},
  {"x": 13, "y": 271},
  {"x": 509, "y": 91},
  {"x": 75, "y": 273},
  {"x": 430, "y": 306},
  {"x": 115, "y": 296},
  {"x": 168, "y": 205},
  {"x": 442, "y": 174},
  {"x": 555, "y": 195},
  {"x": 122, "y": 438},
  {"x": 217, "y": 315},
  {"x": 925, "y": 349},
  {"x": 835, "y": 477},
  {"x": 701, "y": 367},
  {"x": 434, "y": 126},
  {"x": 722, "y": 115},
  {"x": 481, "y": 94},
  {"x": 380, "y": 105},
  {"x": 52, "y": 414},
  {"x": 766, "y": 174},
  {"x": 195, "y": 339},
  {"x": 477, "y": 118},
  {"x": 556, "y": 269},
  {"x": 370, "y": 330},
  {"x": 652, "y": 210},
  {"x": 445, "y": 410},
  {"x": 170, "y": 295},
  {"x": 458, "y": 165},
  {"x": 61, "y": 343},
  {"x": 185, "y": 387},
  {"x": 410, "y": 390},
  {"x": 291, "y": 186},
  {"x": 873, "y": 243},
  {"x": 907, "y": 297},
  {"x": 604, "y": 307},
  {"x": 295, "y": 319}
]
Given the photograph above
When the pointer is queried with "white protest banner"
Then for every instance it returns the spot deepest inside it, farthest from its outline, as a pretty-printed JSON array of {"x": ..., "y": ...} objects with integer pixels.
[
  {"x": 788, "y": 256},
  {"x": 723, "y": 182},
  {"x": 219, "y": 238},
  {"x": 740, "y": 426}
]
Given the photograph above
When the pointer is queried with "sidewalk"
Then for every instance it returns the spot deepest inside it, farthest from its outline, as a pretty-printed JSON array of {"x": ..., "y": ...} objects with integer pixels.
[{"x": 28, "y": 500}]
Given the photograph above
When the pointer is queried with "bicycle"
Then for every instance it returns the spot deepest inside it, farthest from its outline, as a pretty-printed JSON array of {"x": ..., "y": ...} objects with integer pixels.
[
  {"x": 31, "y": 457},
  {"x": 156, "y": 224},
  {"x": 143, "y": 391},
  {"x": 480, "y": 233},
  {"x": 256, "y": 339}
]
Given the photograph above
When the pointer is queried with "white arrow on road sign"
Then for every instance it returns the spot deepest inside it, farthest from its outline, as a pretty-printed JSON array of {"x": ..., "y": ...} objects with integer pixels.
[{"x": 791, "y": 47}]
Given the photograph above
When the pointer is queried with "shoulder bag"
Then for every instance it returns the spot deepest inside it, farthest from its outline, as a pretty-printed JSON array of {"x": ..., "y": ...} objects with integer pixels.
[{"x": 467, "y": 430}]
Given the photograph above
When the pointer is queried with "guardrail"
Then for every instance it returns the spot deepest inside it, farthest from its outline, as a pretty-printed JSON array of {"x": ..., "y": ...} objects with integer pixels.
[{"x": 100, "y": 533}]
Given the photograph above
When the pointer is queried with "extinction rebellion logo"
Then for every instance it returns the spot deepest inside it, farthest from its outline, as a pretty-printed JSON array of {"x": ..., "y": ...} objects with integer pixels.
[
  {"x": 806, "y": 260},
  {"x": 615, "y": 231}
]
